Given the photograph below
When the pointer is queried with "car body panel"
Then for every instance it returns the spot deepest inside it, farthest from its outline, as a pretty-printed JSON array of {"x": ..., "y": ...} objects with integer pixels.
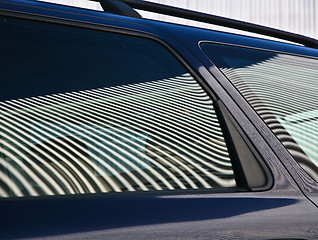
[{"x": 242, "y": 215}]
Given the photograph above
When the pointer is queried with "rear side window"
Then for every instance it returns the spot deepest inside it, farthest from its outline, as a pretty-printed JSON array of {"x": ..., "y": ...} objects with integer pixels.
[
  {"x": 84, "y": 111},
  {"x": 283, "y": 89}
]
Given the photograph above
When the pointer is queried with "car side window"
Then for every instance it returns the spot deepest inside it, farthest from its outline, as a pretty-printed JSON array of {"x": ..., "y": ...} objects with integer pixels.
[
  {"x": 85, "y": 111},
  {"x": 282, "y": 89}
]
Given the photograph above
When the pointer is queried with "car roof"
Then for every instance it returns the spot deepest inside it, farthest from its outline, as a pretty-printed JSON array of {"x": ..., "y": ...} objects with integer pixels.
[{"x": 193, "y": 35}]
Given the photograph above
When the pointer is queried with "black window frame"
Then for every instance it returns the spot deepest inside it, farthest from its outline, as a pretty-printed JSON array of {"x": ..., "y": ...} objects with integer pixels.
[
  {"x": 302, "y": 178},
  {"x": 200, "y": 81}
]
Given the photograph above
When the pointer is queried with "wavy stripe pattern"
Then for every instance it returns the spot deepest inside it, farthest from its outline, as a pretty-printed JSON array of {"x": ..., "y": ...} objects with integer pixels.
[
  {"x": 284, "y": 92},
  {"x": 158, "y": 135}
]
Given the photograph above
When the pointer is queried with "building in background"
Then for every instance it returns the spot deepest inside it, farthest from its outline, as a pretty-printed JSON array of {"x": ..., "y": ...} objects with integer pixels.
[{"x": 298, "y": 16}]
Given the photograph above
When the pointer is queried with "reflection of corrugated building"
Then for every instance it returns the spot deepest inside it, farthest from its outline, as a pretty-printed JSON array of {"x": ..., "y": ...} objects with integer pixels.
[
  {"x": 298, "y": 16},
  {"x": 158, "y": 135}
]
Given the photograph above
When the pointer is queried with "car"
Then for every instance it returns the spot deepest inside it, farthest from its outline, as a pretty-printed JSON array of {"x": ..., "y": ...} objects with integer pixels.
[{"x": 117, "y": 127}]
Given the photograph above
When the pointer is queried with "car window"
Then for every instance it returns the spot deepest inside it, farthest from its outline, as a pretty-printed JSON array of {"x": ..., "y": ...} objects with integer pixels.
[
  {"x": 283, "y": 89},
  {"x": 86, "y": 111}
]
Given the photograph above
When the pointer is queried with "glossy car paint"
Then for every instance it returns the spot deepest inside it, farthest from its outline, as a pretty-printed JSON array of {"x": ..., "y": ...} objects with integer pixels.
[{"x": 283, "y": 211}]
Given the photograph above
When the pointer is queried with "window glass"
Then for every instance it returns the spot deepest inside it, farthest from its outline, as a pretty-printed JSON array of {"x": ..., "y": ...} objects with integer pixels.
[
  {"x": 283, "y": 89},
  {"x": 84, "y": 111}
]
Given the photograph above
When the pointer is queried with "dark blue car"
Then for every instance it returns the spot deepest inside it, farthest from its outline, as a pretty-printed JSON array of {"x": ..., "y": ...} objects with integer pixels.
[{"x": 117, "y": 127}]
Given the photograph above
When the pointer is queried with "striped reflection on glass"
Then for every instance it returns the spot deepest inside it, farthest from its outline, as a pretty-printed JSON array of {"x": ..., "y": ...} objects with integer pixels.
[
  {"x": 283, "y": 90},
  {"x": 158, "y": 135}
]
